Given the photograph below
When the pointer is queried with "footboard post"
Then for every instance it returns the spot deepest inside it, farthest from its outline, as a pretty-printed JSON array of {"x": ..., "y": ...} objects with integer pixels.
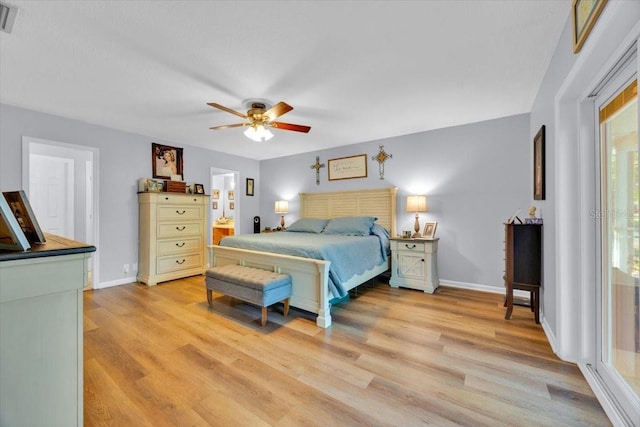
[{"x": 324, "y": 310}]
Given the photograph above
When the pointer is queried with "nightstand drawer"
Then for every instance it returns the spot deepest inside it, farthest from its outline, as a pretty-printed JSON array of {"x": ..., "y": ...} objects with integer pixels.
[
  {"x": 179, "y": 229},
  {"x": 177, "y": 213},
  {"x": 179, "y": 246},
  {"x": 408, "y": 246},
  {"x": 180, "y": 262}
]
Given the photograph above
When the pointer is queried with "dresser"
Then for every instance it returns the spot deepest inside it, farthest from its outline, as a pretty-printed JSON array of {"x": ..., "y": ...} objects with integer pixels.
[
  {"x": 41, "y": 333},
  {"x": 414, "y": 264},
  {"x": 172, "y": 236}
]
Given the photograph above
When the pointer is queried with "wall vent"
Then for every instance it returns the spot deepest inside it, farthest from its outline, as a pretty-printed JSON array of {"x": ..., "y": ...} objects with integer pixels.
[{"x": 7, "y": 17}]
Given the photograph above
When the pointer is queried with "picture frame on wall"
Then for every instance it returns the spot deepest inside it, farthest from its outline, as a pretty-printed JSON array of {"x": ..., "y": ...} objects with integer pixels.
[
  {"x": 348, "y": 167},
  {"x": 539, "y": 165},
  {"x": 231, "y": 195},
  {"x": 12, "y": 237},
  {"x": 22, "y": 211},
  {"x": 249, "y": 186},
  {"x": 584, "y": 14},
  {"x": 214, "y": 205},
  {"x": 166, "y": 161},
  {"x": 429, "y": 231},
  {"x": 232, "y": 206},
  {"x": 215, "y": 194}
]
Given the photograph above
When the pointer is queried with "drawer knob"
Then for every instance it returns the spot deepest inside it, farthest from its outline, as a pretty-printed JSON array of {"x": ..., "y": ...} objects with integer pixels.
[
  {"x": 181, "y": 213},
  {"x": 181, "y": 228},
  {"x": 409, "y": 247},
  {"x": 180, "y": 262},
  {"x": 180, "y": 244}
]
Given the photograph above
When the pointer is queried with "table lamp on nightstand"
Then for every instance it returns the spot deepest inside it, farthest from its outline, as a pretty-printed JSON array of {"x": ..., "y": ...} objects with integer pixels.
[
  {"x": 282, "y": 207},
  {"x": 417, "y": 204}
]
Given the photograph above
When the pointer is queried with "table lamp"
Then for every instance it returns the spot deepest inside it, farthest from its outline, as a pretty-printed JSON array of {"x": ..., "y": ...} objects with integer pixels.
[
  {"x": 417, "y": 204},
  {"x": 282, "y": 207}
]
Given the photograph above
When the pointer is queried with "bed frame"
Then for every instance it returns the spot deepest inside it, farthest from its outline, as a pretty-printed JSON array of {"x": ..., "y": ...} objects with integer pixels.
[{"x": 310, "y": 277}]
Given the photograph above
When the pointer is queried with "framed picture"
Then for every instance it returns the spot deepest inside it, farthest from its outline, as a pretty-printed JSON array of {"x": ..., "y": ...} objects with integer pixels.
[
  {"x": 198, "y": 188},
  {"x": 348, "y": 167},
  {"x": 21, "y": 209},
  {"x": 538, "y": 165},
  {"x": 232, "y": 205},
  {"x": 584, "y": 14},
  {"x": 249, "y": 186},
  {"x": 215, "y": 194},
  {"x": 153, "y": 185},
  {"x": 231, "y": 195},
  {"x": 214, "y": 205},
  {"x": 166, "y": 161},
  {"x": 11, "y": 235},
  {"x": 430, "y": 229}
]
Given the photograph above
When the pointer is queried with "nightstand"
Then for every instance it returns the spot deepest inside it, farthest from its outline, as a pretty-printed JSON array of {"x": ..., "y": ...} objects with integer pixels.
[{"x": 414, "y": 264}]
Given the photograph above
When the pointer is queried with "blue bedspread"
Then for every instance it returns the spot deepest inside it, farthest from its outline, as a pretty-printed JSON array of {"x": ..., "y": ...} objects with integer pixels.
[{"x": 349, "y": 255}]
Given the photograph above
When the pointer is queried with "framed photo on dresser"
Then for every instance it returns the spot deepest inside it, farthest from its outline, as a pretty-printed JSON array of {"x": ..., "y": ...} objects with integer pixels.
[{"x": 21, "y": 208}]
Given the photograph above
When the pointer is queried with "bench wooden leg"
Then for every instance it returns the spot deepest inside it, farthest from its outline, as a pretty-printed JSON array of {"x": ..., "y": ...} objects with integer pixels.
[
  {"x": 286, "y": 307},
  {"x": 209, "y": 297},
  {"x": 264, "y": 316}
]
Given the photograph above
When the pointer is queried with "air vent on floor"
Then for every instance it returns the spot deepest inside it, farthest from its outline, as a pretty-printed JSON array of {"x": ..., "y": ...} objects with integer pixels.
[{"x": 7, "y": 17}]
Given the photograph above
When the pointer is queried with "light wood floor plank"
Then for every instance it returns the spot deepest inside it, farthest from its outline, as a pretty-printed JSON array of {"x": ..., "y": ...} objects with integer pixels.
[{"x": 393, "y": 357}]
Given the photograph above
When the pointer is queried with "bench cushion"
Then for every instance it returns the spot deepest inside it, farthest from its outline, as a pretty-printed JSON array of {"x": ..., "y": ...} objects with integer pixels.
[{"x": 250, "y": 277}]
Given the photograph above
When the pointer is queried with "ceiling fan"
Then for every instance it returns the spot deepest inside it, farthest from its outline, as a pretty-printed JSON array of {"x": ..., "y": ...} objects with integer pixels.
[{"x": 260, "y": 118}]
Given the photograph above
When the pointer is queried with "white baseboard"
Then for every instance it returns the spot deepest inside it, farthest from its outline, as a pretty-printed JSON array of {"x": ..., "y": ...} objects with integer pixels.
[
  {"x": 483, "y": 288},
  {"x": 112, "y": 283}
]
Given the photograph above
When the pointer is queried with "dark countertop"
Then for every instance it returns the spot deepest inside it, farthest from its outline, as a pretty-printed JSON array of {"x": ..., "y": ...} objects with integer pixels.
[{"x": 54, "y": 246}]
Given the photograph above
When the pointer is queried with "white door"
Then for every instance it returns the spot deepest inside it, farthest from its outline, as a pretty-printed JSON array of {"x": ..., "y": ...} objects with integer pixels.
[{"x": 51, "y": 183}]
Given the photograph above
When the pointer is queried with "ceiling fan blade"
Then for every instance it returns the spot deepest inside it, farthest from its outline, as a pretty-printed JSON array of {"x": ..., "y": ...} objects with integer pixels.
[
  {"x": 278, "y": 110},
  {"x": 235, "y": 125},
  {"x": 290, "y": 126},
  {"x": 228, "y": 110}
]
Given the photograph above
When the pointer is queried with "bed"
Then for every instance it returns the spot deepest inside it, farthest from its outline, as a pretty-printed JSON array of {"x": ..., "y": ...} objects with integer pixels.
[{"x": 312, "y": 285}]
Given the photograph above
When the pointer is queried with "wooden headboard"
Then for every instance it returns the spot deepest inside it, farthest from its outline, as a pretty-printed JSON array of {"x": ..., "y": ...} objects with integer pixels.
[{"x": 380, "y": 203}]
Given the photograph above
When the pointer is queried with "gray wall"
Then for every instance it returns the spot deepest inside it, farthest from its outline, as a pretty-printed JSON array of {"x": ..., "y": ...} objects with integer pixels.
[
  {"x": 123, "y": 158},
  {"x": 475, "y": 176}
]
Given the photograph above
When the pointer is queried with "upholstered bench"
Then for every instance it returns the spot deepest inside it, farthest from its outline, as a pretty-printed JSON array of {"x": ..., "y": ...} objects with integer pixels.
[{"x": 253, "y": 285}]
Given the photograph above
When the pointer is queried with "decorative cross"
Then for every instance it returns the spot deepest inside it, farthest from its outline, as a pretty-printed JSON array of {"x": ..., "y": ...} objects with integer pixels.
[
  {"x": 317, "y": 167},
  {"x": 381, "y": 157}
]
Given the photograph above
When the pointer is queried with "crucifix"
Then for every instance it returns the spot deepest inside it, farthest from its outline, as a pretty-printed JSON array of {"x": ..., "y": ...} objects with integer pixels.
[{"x": 317, "y": 167}]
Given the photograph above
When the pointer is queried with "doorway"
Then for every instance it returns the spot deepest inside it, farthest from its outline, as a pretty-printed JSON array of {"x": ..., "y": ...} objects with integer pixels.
[
  {"x": 618, "y": 300},
  {"x": 225, "y": 204},
  {"x": 61, "y": 182}
]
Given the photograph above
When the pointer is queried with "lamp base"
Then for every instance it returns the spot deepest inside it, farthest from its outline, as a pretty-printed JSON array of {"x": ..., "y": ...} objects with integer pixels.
[
  {"x": 282, "y": 222},
  {"x": 416, "y": 227}
]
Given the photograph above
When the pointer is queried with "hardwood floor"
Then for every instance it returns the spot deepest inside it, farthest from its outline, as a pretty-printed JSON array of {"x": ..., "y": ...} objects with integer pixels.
[{"x": 160, "y": 356}]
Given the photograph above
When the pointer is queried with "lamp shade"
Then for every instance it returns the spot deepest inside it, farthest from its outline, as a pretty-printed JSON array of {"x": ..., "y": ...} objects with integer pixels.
[
  {"x": 282, "y": 206},
  {"x": 258, "y": 133},
  {"x": 416, "y": 203}
]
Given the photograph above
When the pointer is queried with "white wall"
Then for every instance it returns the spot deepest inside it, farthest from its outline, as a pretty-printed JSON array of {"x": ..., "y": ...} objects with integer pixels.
[
  {"x": 570, "y": 233},
  {"x": 475, "y": 176},
  {"x": 123, "y": 157}
]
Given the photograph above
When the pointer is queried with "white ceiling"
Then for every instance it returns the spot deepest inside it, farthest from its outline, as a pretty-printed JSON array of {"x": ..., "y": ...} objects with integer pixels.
[{"x": 354, "y": 71}]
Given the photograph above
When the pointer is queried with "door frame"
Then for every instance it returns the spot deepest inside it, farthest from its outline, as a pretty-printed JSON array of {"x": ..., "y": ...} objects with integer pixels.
[{"x": 27, "y": 142}]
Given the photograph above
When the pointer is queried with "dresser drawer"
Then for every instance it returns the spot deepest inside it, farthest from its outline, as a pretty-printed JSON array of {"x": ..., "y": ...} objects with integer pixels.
[
  {"x": 408, "y": 246},
  {"x": 179, "y": 246},
  {"x": 180, "y": 229},
  {"x": 180, "y": 199},
  {"x": 179, "y": 212},
  {"x": 178, "y": 262}
]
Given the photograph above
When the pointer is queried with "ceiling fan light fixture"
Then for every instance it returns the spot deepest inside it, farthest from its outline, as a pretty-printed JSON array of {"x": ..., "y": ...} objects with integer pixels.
[{"x": 258, "y": 133}]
